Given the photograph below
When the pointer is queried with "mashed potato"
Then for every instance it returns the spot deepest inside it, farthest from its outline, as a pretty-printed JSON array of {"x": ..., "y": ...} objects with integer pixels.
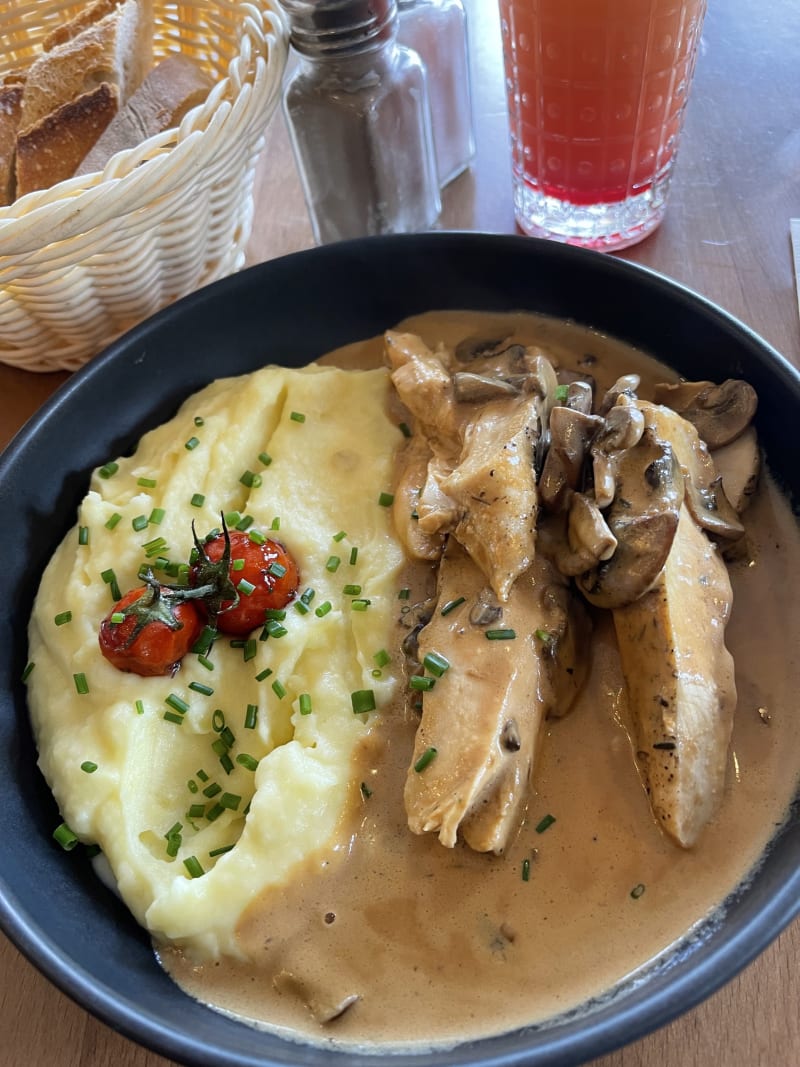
[{"x": 322, "y": 444}]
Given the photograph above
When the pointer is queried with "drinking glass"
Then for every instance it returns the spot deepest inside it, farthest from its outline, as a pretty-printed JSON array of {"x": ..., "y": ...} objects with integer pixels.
[{"x": 597, "y": 91}]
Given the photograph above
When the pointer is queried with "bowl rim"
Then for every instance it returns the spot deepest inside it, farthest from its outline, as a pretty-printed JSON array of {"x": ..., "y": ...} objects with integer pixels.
[{"x": 566, "y": 1042}]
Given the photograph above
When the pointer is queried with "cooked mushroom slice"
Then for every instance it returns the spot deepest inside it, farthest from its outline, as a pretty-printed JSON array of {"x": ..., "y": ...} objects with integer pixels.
[
  {"x": 680, "y": 685},
  {"x": 589, "y": 540},
  {"x": 705, "y": 495},
  {"x": 739, "y": 466},
  {"x": 579, "y": 396},
  {"x": 571, "y": 433},
  {"x": 720, "y": 413},
  {"x": 643, "y": 517},
  {"x": 478, "y": 388},
  {"x": 472, "y": 348},
  {"x": 622, "y": 429},
  {"x": 409, "y": 481},
  {"x": 627, "y": 386},
  {"x": 495, "y": 491},
  {"x": 484, "y": 716},
  {"x": 323, "y": 1005}
]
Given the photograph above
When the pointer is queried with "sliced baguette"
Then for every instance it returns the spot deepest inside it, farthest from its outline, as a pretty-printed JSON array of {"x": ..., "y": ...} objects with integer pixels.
[
  {"x": 50, "y": 151},
  {"x": 171, "y": 89},
  {"x": 114, "y": 50}
]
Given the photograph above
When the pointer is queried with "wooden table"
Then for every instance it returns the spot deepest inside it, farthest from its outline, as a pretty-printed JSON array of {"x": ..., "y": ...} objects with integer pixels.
[{"x": 726, "y": 235}]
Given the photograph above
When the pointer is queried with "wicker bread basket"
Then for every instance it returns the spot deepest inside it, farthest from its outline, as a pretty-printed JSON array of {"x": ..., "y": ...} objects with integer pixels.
[{"x": 83, "y": 261}]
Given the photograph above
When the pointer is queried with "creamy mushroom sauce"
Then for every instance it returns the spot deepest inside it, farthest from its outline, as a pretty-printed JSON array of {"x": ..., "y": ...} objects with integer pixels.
[{"x": 441, "y": 945}]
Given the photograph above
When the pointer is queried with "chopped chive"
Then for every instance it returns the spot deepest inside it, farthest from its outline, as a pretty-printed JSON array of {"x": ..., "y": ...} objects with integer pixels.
[
  {"x": 191, "y": 444},
  {"x": 386, "y": 500},
  {"x": 363, "y": 700},
  {"x": 275, "y": 629},
  {"x": 425, "y": 759},
  {"x": 139, "y": 707},
  {"x": 197, "y": 501},
  {"x": 404, "y": 594},
  {"x": 545, "y": 823},
  {"x": 307, "y": 596},
  {"x": 278, "y": 689},
  {"x": 637, "y": 891},
  {"x": 108, "y": 470},
  {"x": 220, "y": 747},
  {"x": 81, "y": 685},
  {"x": 226, "y": 763},
  {"x": 333, "y": 564},
  {"x": 353, "y": 556},
  {"x": 366, "y": 792},
  {"x": 249, "y": 649},
  {"x": 264, "y": 674},
  {"x": 435, "y": 663},
  {"x": 360, "y": 604},
  {"x": 201, "y": 774},
  {"x": 276, "y": 523},
  {"x": 196, "y": 811},
  {"x": 110, "y": 578},
  {"x": 543, "y": 635},
  {"x": 152, "y": 548},
  {"x": 301, "y": 607},
  {"x": 247, "y": 761},
  {"x": 173, "y": 716},
  {"x": 220, "y": 851},
  {"x": 27, "y": 672},
  {"x": 251, "y": 717},
  {"x": 227, "y": 735},
  {"x": 177, "y": 703},
  {"x": 340, "y": 536},
  {"x": 215, "y": 811},
  {"x": 146, "y": 483},
  {"x": 506, "y": 634},
  {"x": 174, "y": 829},
  {"x": 65, "y": 837},
  {"x": 376, "y": 672},
  {"x": 245, "y": 523},
  {"x": 526, "y": 870},
  {"x": 218, "y": 720},
  {"x": 199, "y": 420},
  {"x": 117, "y": 617},
  {"x": 351, "y": 590},
  {"x": 156, "y": 516},
  {"x": 83, "y": 535},
  {"x": 204, "y": 661},
  {"x": 88, "y": 766},
  {"x": 200, "y": 687},
  {"x": 404, "y": 429},
  {"x": 231, "y": 801},
  {"x": 323, "y": 609},
  {"x": 90, "y": 851},
  {"x": 256, "y": 537},
  {"x": 245, "y": 587},
  {"x": 297, "y": 416},
  {"x": 421, "y": 683},
  {"x": 192, "y": 786},
  {"x": 250, "y": 479},
  {"x": 192, "y": 865},
  {"x": 212, "y": 790},
  {"x": 204, "y": 642},
  {"x": 112, "y": 520},
  {"x": 561, "y": 393},
  {"x": 305, "y": 704},
  {"x": 277, "y": 570},
  {"x": 62, "y": 618},
  {"x": 265, "y": 458},
  {"x": 382, "y": 657},
  {"x": 231, "y": 518},
  {"x": 174, "y": 843},
  {"x": 237, "y": 564},
  {"x": 139, "y": 522},
  {"x": 451, "y": 605}
]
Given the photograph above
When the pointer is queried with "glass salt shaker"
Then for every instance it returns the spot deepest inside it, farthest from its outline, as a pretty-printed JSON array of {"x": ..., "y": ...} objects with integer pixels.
[
  {"x": 359, "y": 121},
  {"x": 437, "y": 31}
]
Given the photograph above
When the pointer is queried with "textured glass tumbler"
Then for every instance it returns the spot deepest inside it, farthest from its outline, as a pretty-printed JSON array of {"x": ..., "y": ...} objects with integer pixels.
[{"x": 596, "y": 97}]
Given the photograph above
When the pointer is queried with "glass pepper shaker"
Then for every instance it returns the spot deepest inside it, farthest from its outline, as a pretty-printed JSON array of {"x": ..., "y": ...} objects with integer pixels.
[
  {"x": 437, "y": 31},
  {"x": 359, "y": 121}
]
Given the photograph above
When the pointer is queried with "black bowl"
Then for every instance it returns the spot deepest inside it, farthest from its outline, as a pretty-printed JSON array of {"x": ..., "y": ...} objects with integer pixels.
[{"x": 290, "y": 311}]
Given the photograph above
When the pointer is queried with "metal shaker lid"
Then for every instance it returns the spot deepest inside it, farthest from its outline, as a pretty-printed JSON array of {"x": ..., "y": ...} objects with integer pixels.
[{"x": 323, "y": 27}]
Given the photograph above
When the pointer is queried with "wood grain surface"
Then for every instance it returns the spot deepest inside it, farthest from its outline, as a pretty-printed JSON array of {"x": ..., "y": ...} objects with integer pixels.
[{"x": 726, "y": 235}]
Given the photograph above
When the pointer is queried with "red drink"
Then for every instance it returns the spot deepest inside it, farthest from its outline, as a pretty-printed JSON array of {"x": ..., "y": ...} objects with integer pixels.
[{"x": 596, "y": 93}]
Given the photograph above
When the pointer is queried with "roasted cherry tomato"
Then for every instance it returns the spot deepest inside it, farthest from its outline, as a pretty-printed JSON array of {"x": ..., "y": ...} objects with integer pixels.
[
  {"x": 263, "y": 575},
  {"x": 155, "y": 631}
]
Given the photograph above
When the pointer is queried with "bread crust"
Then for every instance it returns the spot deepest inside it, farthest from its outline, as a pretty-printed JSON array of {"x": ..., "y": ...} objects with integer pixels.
[
  {"x": 10, "y": 112},
  {"x": 51, "y": 151}
]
